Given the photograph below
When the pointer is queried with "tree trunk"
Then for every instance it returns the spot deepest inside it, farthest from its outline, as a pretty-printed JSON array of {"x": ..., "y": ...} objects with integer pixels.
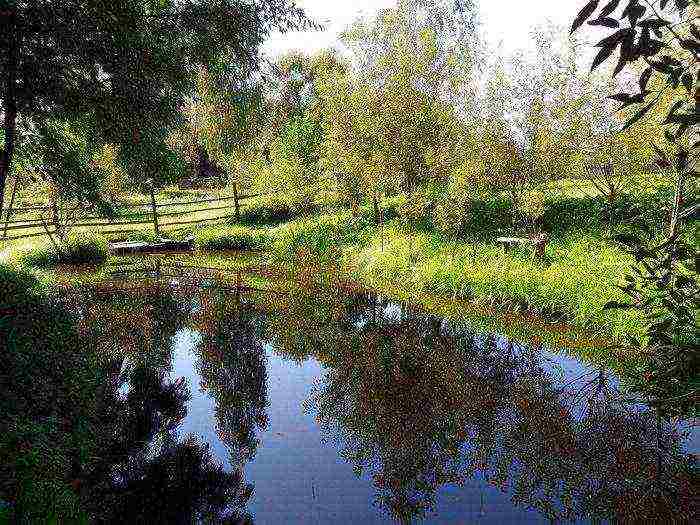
[
  {"x": 9, "y": 208},
  {"x": 10, "y": 105},
  {"x": 375, "y": 205},
  {"x": 55, "y": 219}
]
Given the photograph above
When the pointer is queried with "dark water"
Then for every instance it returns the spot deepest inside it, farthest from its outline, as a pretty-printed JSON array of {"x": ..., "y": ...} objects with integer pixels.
[{"x": 345, "y": 407}]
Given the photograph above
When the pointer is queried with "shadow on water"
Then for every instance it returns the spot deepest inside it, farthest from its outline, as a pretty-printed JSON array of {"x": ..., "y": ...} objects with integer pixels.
[{"x": 420, "y": 416}]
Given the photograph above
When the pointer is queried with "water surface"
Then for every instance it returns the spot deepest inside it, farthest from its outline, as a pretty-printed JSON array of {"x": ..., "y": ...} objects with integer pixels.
[{"x": 342, "y": 407}]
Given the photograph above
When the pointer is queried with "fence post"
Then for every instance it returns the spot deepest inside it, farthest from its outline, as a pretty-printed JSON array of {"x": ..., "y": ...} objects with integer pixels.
[
  {"x": 154, "y": 209},
  {"x": 9, "y": 208},
  {"x": 235, "y": 202},
  {"x": 53, "y": 204}
]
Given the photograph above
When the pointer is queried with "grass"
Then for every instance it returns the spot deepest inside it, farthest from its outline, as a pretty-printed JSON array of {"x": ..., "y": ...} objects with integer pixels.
[
  {"x": 230, "y": 238},
  {"x": 579, "y": 274},
  {"x": 78, "y": 248},
  {"x": 578, "y": 277}
]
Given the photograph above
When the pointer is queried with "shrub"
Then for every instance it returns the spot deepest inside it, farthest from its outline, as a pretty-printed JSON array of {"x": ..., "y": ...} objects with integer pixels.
[
  {"x": 78, "y": 248},
  {"x": 141, "y": 236},
  {"x": 84, "y": 248},
  {"x": 49, "y": 381},
  {"x": 264, "y": 212},
  {"x": 229, "y": 238},
  {"x": 322, "y": 237},
  {"x": 38, "y": 256}
]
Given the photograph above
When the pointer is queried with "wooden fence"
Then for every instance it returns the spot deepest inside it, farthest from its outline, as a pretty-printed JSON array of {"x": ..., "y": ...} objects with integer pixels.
[{"x": 22, "y": 223}]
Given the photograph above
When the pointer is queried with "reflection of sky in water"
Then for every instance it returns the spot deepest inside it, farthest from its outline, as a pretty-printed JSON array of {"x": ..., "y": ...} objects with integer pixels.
[{"x": 300, "y": 479}]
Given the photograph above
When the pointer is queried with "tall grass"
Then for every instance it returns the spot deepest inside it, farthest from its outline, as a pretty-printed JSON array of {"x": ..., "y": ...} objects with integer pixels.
[
  {"x": 230, "y": 238},
  {"x": 579, "y": 275},
  {"x": 78, "y": 248}
]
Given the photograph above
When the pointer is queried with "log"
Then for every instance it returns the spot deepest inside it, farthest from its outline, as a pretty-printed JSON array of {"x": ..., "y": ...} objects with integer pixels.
[
  {"x": 164, "y": 245},
  {"x": 539, "y": 242}
]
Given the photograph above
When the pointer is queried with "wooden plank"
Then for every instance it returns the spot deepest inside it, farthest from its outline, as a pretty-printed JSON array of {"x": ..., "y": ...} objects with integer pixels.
[
  {"x": 198, "y": 221},
  {"x": 204, "y": 201},
  {"x": 39, "y": 234},
  {"x": 515, "y": 240}
]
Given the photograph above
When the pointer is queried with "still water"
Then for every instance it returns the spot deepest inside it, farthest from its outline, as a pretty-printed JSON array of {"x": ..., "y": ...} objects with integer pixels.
[{"x": 346, "y": 407}]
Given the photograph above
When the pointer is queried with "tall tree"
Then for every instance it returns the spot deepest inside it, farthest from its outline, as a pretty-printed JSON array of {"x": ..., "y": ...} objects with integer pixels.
[{"x": 122, "y": 67}]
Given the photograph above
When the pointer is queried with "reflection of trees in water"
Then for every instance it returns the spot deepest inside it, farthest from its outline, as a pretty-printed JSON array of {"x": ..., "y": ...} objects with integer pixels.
[
  {"x": 421, "y": 404},
  {"x": 115, "y": 445},
  {"x": 145, "y": 474},
  {"x": 233, "y": 369}
]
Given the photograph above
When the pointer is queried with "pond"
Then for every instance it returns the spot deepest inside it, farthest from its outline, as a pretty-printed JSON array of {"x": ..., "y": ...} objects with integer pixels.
[{"x": 333, "y": 404}]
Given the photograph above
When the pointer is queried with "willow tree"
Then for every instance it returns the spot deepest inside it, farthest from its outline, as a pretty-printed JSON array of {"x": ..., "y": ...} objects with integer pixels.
[
  {"x": 393, "y": 121},
  {"x": 121, "y": 67}
]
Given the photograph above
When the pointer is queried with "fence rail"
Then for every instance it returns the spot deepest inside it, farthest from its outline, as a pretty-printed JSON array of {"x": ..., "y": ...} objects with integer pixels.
[{"x": 150, "y": 215}]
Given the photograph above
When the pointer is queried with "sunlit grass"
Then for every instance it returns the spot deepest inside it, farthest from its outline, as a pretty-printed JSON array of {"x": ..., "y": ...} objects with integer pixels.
[
  {"x": 230, "y": 238},
  {"x": 79, "y": 248}
]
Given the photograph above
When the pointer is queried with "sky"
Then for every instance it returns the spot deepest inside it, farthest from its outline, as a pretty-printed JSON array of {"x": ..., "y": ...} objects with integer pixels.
[{"x": 503, "y": 21}]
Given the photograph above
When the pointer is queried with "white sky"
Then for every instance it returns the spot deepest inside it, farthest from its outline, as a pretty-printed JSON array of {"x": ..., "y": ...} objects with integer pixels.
[{"x": 506, "y": 21}]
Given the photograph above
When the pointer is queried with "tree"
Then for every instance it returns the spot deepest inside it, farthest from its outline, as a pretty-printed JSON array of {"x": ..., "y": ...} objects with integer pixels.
[
  {"x": 392, "y": 125},
  {"x": 121, "y": 68},
  {"x": 664, "y": 285}
]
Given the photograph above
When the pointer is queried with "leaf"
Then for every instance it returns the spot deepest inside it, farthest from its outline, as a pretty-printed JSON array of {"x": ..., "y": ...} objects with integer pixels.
[
  {"x": 662, "y": 155},
  {"x": 639, "y": 115},
  {"x": 603, "y": 55},
  {"x": 690, "y": 45},
  {"x": 682, "y": 4},
  {"x": 584, "y": 14},
  {"x": 672, "y": 112},
  {"x": 605, "y": 22},
  {"x": 644, "y": 79},
  {"x": 609, "y": 8},
  {"x": 615, "y": 37},
  {"x": 626, "y": 54},
  {"x": 654, "y": 23},
  {"x": 687, "y": 80},
  {"x": 695, "y": 31}
]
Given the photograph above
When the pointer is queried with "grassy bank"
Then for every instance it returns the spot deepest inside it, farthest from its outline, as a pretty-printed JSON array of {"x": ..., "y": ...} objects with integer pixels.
[{"x": 577, "y": 276}]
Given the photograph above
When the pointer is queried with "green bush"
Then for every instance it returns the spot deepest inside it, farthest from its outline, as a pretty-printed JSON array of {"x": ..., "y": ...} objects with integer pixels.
[
  {"x": 141, "y": 236},
  {"x": 321, "y": 237},
  {"x": 49, "y": 379},
  {"x": 84, "y": 248},
  {"x": 41, "y": 256},
  {"x": 265, "y": 212},
  {"x": 78, "y": 248},
  {"x": 230, "y": 238}
]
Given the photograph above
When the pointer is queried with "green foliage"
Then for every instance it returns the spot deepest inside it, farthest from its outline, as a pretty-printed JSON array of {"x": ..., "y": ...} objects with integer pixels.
[
  {"x": 229, "y": 238},
  {"x": 78, "y": 248},
  {"x": 134, "y": 62},
  {"x": 36, "y": 449},
  {"x": 84, "y": 248},
  {"x": 664, "y": 285},
  {"x": 320, "y": 239},
  {"x": 265, "y": 212}
]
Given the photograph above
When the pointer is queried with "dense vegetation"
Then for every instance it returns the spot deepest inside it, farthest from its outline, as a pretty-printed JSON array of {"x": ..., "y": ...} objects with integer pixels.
[{"x": 399, "y": 163}]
